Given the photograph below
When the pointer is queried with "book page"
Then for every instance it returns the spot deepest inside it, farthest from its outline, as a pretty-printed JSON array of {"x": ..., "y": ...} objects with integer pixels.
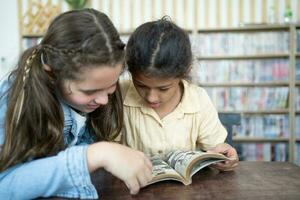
[
  {"x": 182, "y": 161},
  {"x": 162, "y": 171},
  {"x": 204, "y": 163},
  {"x": 179, "y": 160}
]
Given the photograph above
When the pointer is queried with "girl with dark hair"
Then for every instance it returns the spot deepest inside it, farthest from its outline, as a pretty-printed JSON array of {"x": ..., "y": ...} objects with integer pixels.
[
  {"x": 60, "y": 110},
  {"x": 162, "y": 111}
]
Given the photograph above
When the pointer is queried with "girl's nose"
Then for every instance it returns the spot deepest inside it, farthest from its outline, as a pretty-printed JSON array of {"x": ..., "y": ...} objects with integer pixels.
[
  {"x": 101, "y": 99},
  {"x": 152, "y": 96}
]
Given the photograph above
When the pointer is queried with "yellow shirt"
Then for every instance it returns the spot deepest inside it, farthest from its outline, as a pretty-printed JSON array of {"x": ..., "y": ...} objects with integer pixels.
[{"x": 194, "y": 123}]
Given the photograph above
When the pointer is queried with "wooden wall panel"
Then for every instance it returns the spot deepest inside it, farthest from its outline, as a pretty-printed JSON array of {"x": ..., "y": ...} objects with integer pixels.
[{"x": 195, "y": 14}]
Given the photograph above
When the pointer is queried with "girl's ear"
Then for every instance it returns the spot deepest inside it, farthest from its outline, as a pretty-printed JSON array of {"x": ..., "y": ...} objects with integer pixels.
[{"x": 47, "y": 68}]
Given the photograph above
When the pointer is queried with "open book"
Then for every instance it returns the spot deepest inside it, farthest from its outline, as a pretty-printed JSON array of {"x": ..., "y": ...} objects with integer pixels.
[{"x": 182, "y": 165}]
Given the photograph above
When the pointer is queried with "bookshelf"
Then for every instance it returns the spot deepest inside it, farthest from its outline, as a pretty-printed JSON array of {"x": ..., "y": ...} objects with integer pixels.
[
  {"x": 241, "y": 68},
  {"x": 251, "y": 71}
]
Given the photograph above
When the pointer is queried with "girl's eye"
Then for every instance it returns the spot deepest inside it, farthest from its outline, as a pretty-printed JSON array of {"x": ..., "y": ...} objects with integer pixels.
[
  {"x": 163, "y": 89},
  {"x": 88, "y": 92},
  {"x": 141, "y": 86}
]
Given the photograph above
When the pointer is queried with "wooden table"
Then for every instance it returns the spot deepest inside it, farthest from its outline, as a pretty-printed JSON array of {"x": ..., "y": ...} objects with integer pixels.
[{"x": 250, "y": 180}]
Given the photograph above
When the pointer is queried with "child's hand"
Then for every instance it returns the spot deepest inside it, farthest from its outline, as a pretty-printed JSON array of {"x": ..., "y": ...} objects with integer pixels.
[
  {"x": 229, "y": 152},
  {"x": 129, "y": 165}
]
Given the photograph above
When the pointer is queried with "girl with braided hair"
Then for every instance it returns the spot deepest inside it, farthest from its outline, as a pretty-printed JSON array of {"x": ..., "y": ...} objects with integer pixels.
[
  {"x": 60, "y": 111},
  {"x": 164, "y": 112}
]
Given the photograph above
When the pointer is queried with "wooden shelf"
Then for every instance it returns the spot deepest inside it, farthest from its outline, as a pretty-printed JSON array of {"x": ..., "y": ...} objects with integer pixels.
[
  {"x": 248, "y": 28},
  {"x": 240, "y": 84},
  {"x": 259, "y": 139},
  {"x": 244, "y": 57},
  {"x": 32, "y": 36},
  {"x": 129, "y": 32},
  {"x": 261, "y": 112}
]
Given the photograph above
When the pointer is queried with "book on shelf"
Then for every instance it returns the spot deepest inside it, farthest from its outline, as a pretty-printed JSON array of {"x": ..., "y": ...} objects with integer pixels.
[
  {"x": 240, "y": 43},
  {"x": 297, "y": 94},
  {"x": 297, "y": 153},
  {"x": 265, "y": 126},
  {"x": 298, "y": 40},
  {"x": 297, "y": 128},
  {"x": 298, "y": 69},
  {"x": 241, "y": 71},
  {"x": 255, "y": 99},
  {"x": 262, "y": 151},
  {"x": 182, "y": 165}
]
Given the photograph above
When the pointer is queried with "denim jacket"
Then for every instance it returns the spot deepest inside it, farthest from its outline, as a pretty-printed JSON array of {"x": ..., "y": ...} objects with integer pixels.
[{"x": 65, "y": 174}]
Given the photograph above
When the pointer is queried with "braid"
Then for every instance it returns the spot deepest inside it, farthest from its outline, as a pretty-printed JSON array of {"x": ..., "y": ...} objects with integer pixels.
[
  {"x": 20, "y": 101},
  {"x": 62, "y": 52},
  {"x": 28, "y": 64}
]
